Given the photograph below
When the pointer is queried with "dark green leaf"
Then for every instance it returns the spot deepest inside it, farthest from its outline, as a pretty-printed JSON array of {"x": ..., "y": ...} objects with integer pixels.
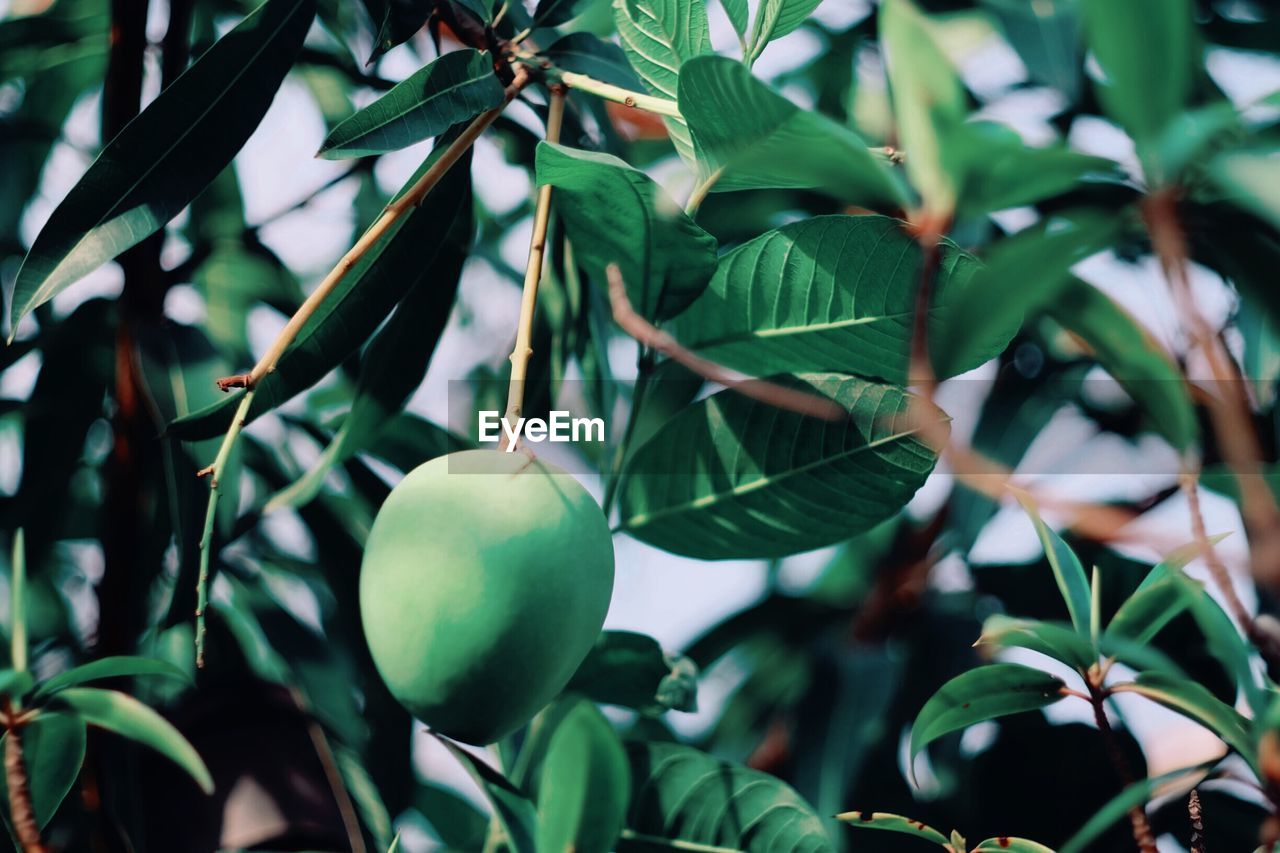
[
  {"x": 458, "y": 823},
  {"x": 120, "y": 713},
  {"x": 584, "y": 53},
  {"x": 1196, "y": 702},
  {"x": 113, "y": 667},
  {"x": 15, "y": 684},
  {"x": 553, "y": 13},
  {"x": 831, "y": 293},
  {"x": 681, "y": 796},
  {"x": 1067, "y": 571},
  {"x": 631, "y": 670},
  {"x": 893, "y": 823},
  {"x": 985, "y": 693},
  {"x": 167, "y": 155},
  {"x": 453, "y": 89},
  {"x": 617, "y": 214},
  {"x": 1148, "y": 610},
  {"x": 733, "y": 477},
  {"x": 514, "y": 812},
  {"x": 53, "y": 750},
  {"x": 397, "y": 22},
  {"x": 585, "y": 785},
  {"x": 1048, "y": 39},
  {"x": 760, "y": 139},
  {"x": 1060, "y": 642}
]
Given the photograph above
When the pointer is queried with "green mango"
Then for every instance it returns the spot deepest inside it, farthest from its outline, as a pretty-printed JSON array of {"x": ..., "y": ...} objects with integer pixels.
[{"x": 485, "y": 582}]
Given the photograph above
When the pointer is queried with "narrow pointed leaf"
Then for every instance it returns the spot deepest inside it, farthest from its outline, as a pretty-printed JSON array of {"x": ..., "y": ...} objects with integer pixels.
[
  {"x": 732, "y": 477},
  {"x": 1196, "y": 702},
  {"x": 585, "y": 784},
  {"x": 53, "y": 747},
  {"x": 514, "y": 811},
  {"x": 893, "y": 823},
  {"x": 1058, "y": 641},
  {"x": 831, "y": 293},
  {"x": 453, "y": 89},
  {"x": 1148, "y": 610},
  {"x": 1133, "y": 796},
  {"x": 617, "y": 214},
  {"x": 1008, "y": 844},
  {"x": 761, "y": 139},
  {"x": 120, "y": 713},
  {"x": 167, "y": 155},
  {"x": 1252, "y": 179},
  {"x": 985, "y": 693},
  {"x": 1067, "y": 571},
  {"x": 113, "y": 667},
  {"x": 776, "y": 18}
]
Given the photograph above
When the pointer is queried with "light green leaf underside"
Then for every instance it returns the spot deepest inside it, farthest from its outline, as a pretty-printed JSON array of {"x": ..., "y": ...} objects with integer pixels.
[{"x": 893, "y": 823}]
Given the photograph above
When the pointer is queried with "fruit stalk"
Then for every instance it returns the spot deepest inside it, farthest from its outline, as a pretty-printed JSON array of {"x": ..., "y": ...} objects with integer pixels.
[{"x": 533, "y": 273}]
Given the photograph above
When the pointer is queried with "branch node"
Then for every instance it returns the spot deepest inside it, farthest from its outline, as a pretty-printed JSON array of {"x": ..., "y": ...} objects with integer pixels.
[{"x": 239, "y": 380}]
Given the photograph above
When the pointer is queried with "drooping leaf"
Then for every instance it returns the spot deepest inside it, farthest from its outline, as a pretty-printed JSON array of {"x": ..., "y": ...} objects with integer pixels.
[
  {"x": 681, "y": 796},
  {"x": 659, "y": 36},
  {"x": 617, "y": 214},
  {"x": 893, "y": 823},
  {"x": 1067, "y": 571},
  {"x": 585, "y": 784},
  {"x": 774, "y": 19},
  {"x": 734, "y": 477},
  {"x": 357, "y": 306},
  {"x": 831, "y": 293},
  {"x": 453, "y": 89},
  {"x": 991, "y": 691},
  {"x": 53, "y": 751},
  {"x": 113, "y": 667},
  {"x": 514, "y": 812},
  {"x": 120, "y": 713},
  {"x": 1193, "y": 700},
  {"x": 167, "y": 155},
  {"x": 1002, "y": 295},
  {"x": 1058, "y": 641},
  {"x": 1132, "y": 358},
  {"x": 761, "y": 139},
  {"x": 397, "y": 21},
  {"x": 633, "y": 671}
]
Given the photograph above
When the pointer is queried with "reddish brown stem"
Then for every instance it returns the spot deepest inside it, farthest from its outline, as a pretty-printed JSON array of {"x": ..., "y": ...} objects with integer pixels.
[
  {"x": 1142, "y": 834},
  {"x": 22, "y": 813}
]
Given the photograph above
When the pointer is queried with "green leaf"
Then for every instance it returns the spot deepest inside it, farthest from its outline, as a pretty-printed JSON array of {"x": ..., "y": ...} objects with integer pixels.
[
  {"x": 1251, "y": 179},
  {"x": 736, "y": 11},
  {"x": 1003, "y": 295},
  {"x": 587, "y": 54},
  {"x": 774, "y": 19},
  {"x": 1144, "y": 48},
  {"x": 681, "y": 796},
  {"x": 1067, "y": 571},
  {"x": 732, "y": 477},
  {"x": 120, "y": 713},
  {"x": 928, "y": 100},
  {"x": 1133, "y": 359},
  {"x": 15, "y": 684},
  {"x": 585, "y": 785},
  {"x": 614, "y": 213},
  {"x": 893, "y": 823},
  {"x": 458, "y": 823},
  {"x": 1133, "y": 796},
  {"x": 761, "y": 139},
  {"x": 553, "y": 13},
  {"x": 397, "y": 22},
  {"x": 113, "y": 667},
  {"x": 167, "y": 155},
  {"x": 393, "y": 367},
  {"x": 658, "y": 37},
  {"x": 1194, "y": 701},
  {"x": 1148, "y": 610},
  {"x": 514, "y": 812},
  {"x": 453, "y": 89},
  {"x": 53, "y": 750},
  {"x": 358, "y": 305},
  {"x": 1060, "y": 642},
  {"x": 631, "y": 670},
  {"x": 991, "y": 691},
  {"x": 1007, "y": 844},
  {"x": 830, "y": 293},
  {"x": 1048, "y": 38}
]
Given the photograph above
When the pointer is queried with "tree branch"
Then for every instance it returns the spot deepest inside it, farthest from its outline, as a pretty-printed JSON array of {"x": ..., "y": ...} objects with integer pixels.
[{"x": 21, "y": 811}]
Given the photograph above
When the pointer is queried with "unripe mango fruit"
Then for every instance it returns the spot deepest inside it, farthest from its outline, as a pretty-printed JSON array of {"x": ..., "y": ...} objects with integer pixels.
[{"x": 485, "y": 582}]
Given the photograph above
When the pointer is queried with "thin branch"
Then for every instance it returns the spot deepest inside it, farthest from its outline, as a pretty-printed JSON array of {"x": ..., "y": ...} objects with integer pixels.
[
  {"x": 332, "y": 773},
  {"x": 701, "y": 191},
  {"x": 1137, "y": 815},
  {"x": 617, "y": 94},
  {"x": 22, "y": 813},
  {"x": 533, "y": 274}
]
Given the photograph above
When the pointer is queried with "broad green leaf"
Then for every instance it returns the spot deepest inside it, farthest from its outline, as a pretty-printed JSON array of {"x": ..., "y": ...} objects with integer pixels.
[
  {"x": 659, "y": 36},
  {"x": 614, "y": 213},
  {"x": 113, "y": 667},
  {"x": 453, "y": 89},
  {"x": 991, "y": 691},
  {"x": 357, "y": 306},
  {"x": 1196, "y": 702},
  {"x": 397, "y": 21},
  {"x": 120, "y": 713},
  {"x": 1008, "y": 844},
  {"x": 831, "y": 293},
  {"x": 167, "y": 155},
  {"x": 1067, "y": 571},
  {"x": 774, "y": 19},
  {"x": 1132, "y": 357},
  {"x": 1058, "y": 641},
  {"x": 1148, "y": 610},
  {"x": 893, "y": 823},
  {"x": 1133, "y": 796},
  {"x": 1144, "y": 48},
  {"x": 928, "y": 101},
  {"x": 53, "y": 751},
  {"x": 734, "y": 477},
  {"x": 1195, "y": 135},
  {"x": 393, "y": 366},
  {"x": 458, "y": 823},
  {"x": 587, "y": 54},
  {"x": 761, "y": 139},
  {"x": 514, "y": 812},
  {"x": 1252, "y": 179},
  {"x": 1047, "y": 36},
  {"x": 32, "y": 45},
  {"x": 553, "y": 13},
  {"x": 1003, "y": 294},
  {"x": 633, "y": 671},
  {"x": 585, "y": 784},
  {"x": 681, "y": 796}
]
